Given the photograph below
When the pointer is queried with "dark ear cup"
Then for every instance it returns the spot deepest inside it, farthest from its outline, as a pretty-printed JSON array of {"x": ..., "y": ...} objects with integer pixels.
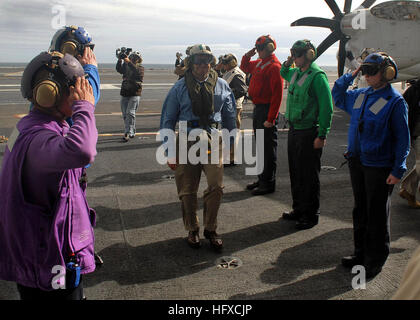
[
  {"x": 213, "y": 61},
  {"x": 233, "y": 63},
  {"x": 187, "y": 62}
]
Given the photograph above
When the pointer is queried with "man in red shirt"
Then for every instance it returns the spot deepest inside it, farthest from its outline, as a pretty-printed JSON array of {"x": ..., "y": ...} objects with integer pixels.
[{"x": 266, "y": 92}]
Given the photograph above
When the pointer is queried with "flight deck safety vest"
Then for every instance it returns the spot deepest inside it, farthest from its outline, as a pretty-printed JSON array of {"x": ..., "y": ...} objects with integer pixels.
[
  {"x": 302, "y": 109},
  {"x": 229, "y": 75}
]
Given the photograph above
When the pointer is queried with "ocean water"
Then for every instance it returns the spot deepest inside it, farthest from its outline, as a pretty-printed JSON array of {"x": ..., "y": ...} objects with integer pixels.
[
  {"x": 147, "y": 66},
  {"x": 101, "y": 65}
]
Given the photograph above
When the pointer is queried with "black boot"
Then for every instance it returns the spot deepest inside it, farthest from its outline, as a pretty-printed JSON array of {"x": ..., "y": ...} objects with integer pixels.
[
  {"x": 253, "y": 185},
  {"x": 351, "y": 261}
]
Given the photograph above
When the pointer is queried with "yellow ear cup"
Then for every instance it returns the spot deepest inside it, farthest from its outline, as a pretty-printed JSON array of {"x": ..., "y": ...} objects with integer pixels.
[
  {"x": 46, "y": 94},
  {"x": 389, "y": 73},
  {"x": 270, "y": 47},
  {"x": 69, "y": 47},
  {"x": 310, "y": 54}
]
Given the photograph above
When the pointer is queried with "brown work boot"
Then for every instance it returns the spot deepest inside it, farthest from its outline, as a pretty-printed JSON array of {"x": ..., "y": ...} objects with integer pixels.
[
  {"x": 193, "y": 239},
  {"x": 412, "y": 202},
  {"x": 215, "y": 241}
]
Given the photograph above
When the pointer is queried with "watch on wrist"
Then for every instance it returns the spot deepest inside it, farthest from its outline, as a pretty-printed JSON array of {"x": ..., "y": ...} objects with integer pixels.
[{"x": 322, "y": 137}]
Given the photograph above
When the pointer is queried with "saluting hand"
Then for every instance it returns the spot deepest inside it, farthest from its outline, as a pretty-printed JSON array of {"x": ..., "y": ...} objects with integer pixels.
[
  {"x": 289, "y": 61},
  {"x": 88, "y": 57},
  {"x": 355, "y": 72},
  {"x": 82, "y": 91},
  {"x": 251, "y": 53}
]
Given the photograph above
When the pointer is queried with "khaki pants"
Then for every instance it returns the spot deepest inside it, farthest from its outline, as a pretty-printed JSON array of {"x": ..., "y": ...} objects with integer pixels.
[
  {"x": 410, "y": 183},
  {"x": 187, "y": 178}
]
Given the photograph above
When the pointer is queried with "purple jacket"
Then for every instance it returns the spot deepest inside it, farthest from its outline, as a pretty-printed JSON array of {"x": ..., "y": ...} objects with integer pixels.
[{"x": 44, "y": 215}]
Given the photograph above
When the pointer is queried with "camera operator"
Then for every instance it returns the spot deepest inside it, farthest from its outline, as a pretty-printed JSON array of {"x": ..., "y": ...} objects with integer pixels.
[{"x": 133, "y": 72}]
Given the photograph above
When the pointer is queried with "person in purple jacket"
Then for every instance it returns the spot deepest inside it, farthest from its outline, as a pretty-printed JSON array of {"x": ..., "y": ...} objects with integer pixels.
[{"x": 46, "y": 224}]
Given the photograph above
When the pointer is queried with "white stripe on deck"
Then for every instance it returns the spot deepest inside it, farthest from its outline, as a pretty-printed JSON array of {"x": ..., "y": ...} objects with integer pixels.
[{"x": 104, "y": 86}]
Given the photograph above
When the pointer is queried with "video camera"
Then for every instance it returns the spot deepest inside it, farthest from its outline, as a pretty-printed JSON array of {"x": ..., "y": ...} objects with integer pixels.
[{"x": 123, "y": 52}]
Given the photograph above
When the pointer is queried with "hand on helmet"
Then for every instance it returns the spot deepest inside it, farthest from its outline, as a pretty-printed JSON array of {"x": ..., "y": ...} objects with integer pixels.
[
  {"x": 88, "y": 57},
  {"x": 251, "y": 53},
  {"x": 355, "y": 72},
  {"x": 82, "y": 91},
  {"x": 290, "y": 60}
]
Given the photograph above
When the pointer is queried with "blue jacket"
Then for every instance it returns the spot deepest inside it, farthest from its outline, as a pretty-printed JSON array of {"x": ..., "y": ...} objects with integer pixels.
[
  {"x": 95, "y": 83},
  {"x": 378, "y": 132},
  {"x": 94, "y": 80},
  {"x": 177, "y": 106}
]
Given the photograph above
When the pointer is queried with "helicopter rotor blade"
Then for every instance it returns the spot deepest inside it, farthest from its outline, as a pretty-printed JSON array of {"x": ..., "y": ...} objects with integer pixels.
[
  {"x": 334, "y": 8},
  {"x": 347, "y": 6},
  {"x": 328, "y": 42},
  {"x": 317, "y": 22},
  {"x": 341, "y": 57},
  {"x": 367, "y": 3}
]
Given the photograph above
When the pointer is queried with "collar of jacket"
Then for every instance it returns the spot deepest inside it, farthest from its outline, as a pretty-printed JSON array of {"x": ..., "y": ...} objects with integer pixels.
[
  {"x": 379, "y": 92},
  {"x": 262, "y": 64}
]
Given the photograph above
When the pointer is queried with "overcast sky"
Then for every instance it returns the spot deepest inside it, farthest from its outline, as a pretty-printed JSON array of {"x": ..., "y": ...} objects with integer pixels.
[{"x": 160, "y": 28}]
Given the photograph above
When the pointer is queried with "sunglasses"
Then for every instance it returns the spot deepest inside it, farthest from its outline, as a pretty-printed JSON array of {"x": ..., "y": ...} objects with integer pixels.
[
  {"x": 260, "y": 47},
  {"x": 370, "y": 70},
  {"x": 206, "y": 59},
  {"x": 297, "y": 53}
]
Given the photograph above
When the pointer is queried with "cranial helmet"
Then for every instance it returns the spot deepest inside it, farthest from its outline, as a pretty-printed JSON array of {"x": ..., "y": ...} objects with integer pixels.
[
  {"x": 48, "y": 76},
  {"x": 386, "y": 64},
  {"x": 72, "y": 40},
  {"x": 230, "y": 60},
  {"x": 304, "y": 47},
  {"x": 266, "y": 42},
  {"x": 136, "y": 55},
  {"x": 199, "y": 49}
]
